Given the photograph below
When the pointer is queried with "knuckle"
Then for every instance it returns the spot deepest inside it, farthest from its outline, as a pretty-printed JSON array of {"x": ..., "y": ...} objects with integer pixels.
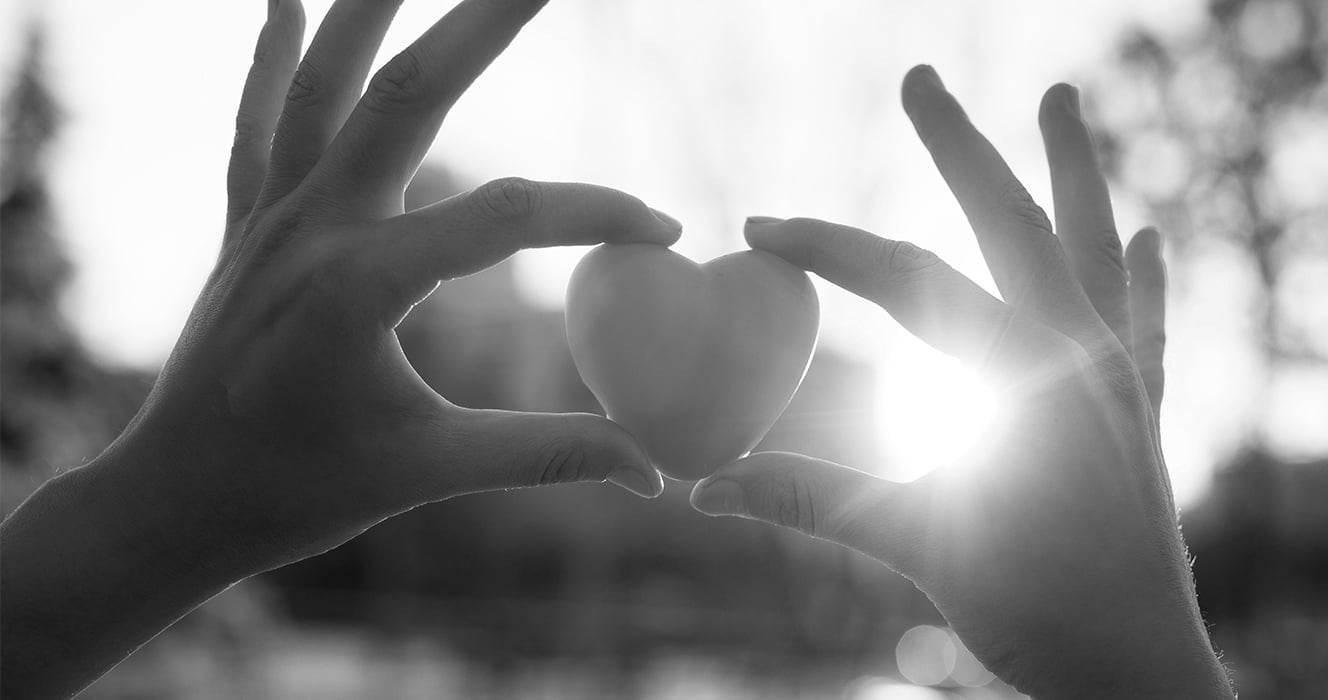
[
  {"x": 563, "y": 460},
  {"x": 279, "y": 229},
  {"x": 1107, "y": 256},
  {"x": 1107, "y": 243},
  {"x": 792, "y": 503},
  {"x": 1016, "y": 200},
  {"x": 904, "y": 261},
  {"x": 249, "y": 130},
  {"x": 306, "y": 86},
  {"x": 507, "y": 200},
  {"x": 262, "y": 58},
  {"x": 398, "y": 84},
  {"x": 903, "y": 266},
  {"x": 853, "y": 514}
]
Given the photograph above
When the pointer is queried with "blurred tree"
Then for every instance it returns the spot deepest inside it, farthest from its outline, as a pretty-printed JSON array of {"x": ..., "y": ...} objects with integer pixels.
[
  {"x": 1225, "y": 134},
  {"x": 58, "y": 408}
]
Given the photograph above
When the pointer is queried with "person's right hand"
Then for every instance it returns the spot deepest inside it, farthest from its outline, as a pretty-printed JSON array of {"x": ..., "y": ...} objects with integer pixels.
[
  {"x": 287, "y": 419},
  {"x": 1055, "y": 553}
]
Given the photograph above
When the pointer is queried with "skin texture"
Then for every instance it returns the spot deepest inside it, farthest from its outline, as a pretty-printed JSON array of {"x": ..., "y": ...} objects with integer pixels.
[
  {"x": 697, "y": 361},
  {"x": 1054, "y": 552},
  {"x": 287, "y": 420}
]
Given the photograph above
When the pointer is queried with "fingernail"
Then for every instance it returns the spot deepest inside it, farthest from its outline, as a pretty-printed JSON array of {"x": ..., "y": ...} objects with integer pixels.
[
  {"x": 926, "y": 78},
  {"x": 638, "y": 483},
  {"x": 763, "y": 220},
  {"x": 719, "y": 497},
  {"x": 673, "y": 223},
  {"x": 1071, "y": 100}
]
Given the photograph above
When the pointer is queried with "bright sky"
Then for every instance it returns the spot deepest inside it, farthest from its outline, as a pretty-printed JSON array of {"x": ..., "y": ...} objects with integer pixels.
[{"x": 708, "y": 110}]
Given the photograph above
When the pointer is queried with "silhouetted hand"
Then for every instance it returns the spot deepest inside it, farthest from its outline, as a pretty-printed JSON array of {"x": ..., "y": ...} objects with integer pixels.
[
  {"x": 287, "y": 419},
  {"x": 1055, "y": 552},
  {"x": 289, "y": 371}
]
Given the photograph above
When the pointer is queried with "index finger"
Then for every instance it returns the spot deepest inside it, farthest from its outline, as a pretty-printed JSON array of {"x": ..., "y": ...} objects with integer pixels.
[
  {"x": 472, "y": 231},
  {"x": 929, "y": 298},
  {"x": 377, "y": 151}
]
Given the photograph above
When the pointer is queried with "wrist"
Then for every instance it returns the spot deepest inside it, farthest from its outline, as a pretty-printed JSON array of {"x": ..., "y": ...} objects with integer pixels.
[
  {"x": 93, "y": 568},
  {"x": 1163, "y": 660},
  {"x": 230, "y": 505},
  {"x": 165, "y": 518}
]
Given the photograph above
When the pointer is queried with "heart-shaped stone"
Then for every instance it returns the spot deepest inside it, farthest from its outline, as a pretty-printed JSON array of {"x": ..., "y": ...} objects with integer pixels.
[{"x": 697, "y": 361}]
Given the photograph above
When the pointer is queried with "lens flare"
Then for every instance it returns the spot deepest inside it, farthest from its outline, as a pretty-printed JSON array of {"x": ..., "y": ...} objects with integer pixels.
[{"x": 931, "y": 413}]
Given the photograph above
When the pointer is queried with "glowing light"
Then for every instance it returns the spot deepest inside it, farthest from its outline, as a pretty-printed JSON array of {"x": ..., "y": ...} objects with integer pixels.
[
  {"x": 926, "y": 655},
  {"x": 931, "y": 412},
  {"x": 875, "y": 688}
]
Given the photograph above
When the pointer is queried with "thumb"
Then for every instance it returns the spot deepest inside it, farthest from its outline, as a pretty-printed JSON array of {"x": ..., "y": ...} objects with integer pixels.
[
  {"x": 507, "y": 449},
  {"x": 818, "y": 498}
]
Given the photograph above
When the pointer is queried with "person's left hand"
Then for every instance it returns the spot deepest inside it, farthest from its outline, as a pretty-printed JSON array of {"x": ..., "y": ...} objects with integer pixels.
[{"x": 1052, "y": 548}]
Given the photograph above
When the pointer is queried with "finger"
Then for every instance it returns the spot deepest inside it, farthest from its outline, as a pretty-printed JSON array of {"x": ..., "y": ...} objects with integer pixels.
[
  {"x": 260, "y": 104},
  {"x": 387, "y": 134},
  {"x": 1147, "y": 292},
  {"x": 326, "y": 86},
  {"x": 821, "y": 499},
  {"x": 1084, "y": 221},
  {"x": 472, "y": 231},
  {"x": 928, "y": 297},
  {"x": 505, "y": 449},
  {"x": 1015, "y": 236}
]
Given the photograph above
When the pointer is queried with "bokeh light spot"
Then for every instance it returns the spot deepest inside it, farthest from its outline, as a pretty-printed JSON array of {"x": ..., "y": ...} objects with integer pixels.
[{"x": 925, "y": 655}]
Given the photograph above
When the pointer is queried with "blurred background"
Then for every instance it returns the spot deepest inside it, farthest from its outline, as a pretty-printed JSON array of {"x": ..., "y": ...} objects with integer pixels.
[{"x": 1212, "y": 119}]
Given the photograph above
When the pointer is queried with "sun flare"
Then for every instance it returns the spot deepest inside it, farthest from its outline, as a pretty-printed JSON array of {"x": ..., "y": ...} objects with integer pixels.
[{"x": 930, "y": 413}]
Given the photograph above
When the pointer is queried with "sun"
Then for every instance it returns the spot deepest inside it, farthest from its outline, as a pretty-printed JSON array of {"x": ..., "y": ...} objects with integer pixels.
[{"x": 931, "y": 412}]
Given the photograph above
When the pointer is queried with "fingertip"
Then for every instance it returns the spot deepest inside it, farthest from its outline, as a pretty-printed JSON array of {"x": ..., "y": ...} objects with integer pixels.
[
  {"x": 1145, "y": 246},
  {"x": 645, "y": 482},
  {"x": 765, "y": 233},
  {"x": 293, "y": 9},
  {"x": 619, "y": 216},
  {"x": 633, "y": 471},
  {"x": 288, "y": 14},
  {"x": 670, "y": 225},
  {"x": 1062, "y": 97},
  {"x": 1059, "y": 107},
  {"x": 718, "y": 496},
  {"x": 1152, "y": 238},
  {"x": 921, "y": 80},
  {"x": 761, "y": 231},
  {"x": 724, "y": 491}
]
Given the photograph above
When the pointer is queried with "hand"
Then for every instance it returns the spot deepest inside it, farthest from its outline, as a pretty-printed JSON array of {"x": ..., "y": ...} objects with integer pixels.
[
  {"x": 287, "y": 420},
  {"x": 1055, "y": 553},
  {"x": 289, "y": 375}
]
